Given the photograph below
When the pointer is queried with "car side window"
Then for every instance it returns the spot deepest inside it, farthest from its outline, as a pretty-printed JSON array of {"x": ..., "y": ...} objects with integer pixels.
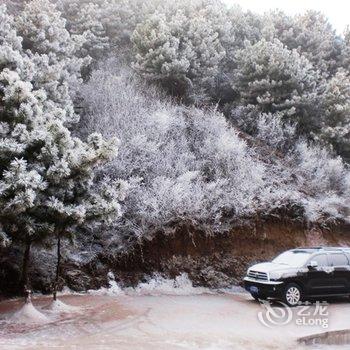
[
  {"x": 338, "y": 260},
  {"x": 321, "y": 260}
]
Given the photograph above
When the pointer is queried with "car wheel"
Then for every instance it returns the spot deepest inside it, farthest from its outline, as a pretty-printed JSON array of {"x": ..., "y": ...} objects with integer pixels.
[{"x": 292, "y": 294}]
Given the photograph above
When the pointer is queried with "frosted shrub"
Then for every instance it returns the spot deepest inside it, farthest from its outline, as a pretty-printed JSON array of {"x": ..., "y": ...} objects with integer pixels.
[
  {"x": 325, "y": 181},
  {"x": 187, "y": 164},
  {"x": 274, "y": 132},
  {"x": 334, "y": 102},
  {"x": 326, "y": 207},
  {"x": 320, "y": 172}
]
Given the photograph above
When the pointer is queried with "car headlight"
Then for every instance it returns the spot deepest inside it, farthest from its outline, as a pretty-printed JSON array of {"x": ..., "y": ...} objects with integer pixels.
[{"x": 275, "y": 275}]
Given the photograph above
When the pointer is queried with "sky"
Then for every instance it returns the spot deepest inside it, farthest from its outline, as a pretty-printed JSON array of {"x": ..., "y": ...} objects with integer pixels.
[{"x": 338, "y": 11}]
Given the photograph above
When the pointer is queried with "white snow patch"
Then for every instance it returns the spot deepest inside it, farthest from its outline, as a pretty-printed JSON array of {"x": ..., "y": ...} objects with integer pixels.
[
  {"x": 159, "y": 285},
  {"x": 28, "y": 314},
  {"x": 233, "y": 290},
  {"x": 113, "y": 287},
  {"x": 58, "y": 306},
  {"x": 155, "y": 286},
  {"x": 66, "y": 291}
]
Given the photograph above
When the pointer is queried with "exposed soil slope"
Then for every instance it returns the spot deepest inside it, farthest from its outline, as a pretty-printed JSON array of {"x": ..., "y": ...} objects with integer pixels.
[{"x": 219, "y": 261}]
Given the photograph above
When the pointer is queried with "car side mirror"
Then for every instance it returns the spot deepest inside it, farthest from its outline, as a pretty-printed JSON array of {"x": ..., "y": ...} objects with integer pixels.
[{"x": 312, "y": 264}]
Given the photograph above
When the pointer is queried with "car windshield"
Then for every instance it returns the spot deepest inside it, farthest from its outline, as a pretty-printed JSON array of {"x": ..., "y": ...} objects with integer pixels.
[{"x": 292, "y": 258}]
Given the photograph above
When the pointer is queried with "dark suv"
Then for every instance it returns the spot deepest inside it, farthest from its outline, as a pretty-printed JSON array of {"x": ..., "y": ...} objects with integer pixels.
[{"x": 299, "y": 273}]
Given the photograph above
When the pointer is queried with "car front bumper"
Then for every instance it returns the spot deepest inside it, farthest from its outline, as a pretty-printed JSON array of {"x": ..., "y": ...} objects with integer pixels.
[{"x": 270, "y": 289}]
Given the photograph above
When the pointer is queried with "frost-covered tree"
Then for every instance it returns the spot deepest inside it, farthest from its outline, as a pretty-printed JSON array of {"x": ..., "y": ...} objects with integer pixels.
[
  {"x": 246, "y": 26},
  {"x": 54, "y": 49},
  {"x": 310, "y": 34},
  {"x": 43, "y": 30},
  {"x": 106, "y": 25},
  {"x": 334, "y": 104},
  {"x": 345, "y": 56},
  {"x": 46, "y": 174},
  {"x": 270, "y": 78},
  {"x": 84, "y": 18},
  {"x": 323, "y": 181},
  {"x": 182, "y": 46},
  {"x": 122, "y": 16}
]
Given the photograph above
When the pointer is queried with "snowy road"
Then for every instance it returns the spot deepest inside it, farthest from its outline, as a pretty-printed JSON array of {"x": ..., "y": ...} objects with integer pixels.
[{"x": 205, "y": 321}]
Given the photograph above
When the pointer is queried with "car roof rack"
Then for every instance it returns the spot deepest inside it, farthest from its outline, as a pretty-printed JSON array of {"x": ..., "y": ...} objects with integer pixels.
[
  {"x": 335, "y": 248},
  {"x": 339, "y": 249}
]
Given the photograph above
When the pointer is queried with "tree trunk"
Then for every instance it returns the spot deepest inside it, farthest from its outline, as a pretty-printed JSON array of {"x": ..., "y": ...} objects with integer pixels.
[
  {"x": 24, "y": 277},
  {"x": 58, "y": 266}
]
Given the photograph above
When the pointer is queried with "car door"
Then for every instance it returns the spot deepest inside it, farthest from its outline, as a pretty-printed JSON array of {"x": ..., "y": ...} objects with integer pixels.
[
  {"x": 319, "y": 279},
  {"x": 340, "y": 281}
]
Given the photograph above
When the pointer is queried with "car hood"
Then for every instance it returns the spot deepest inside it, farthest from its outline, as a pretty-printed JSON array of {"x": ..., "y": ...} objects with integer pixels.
[{"x": 272, "y": 267}]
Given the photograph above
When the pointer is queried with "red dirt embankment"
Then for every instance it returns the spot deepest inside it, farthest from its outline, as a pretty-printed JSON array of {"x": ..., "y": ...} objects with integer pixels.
[
  {"x": 218, "y": 260},
  {"x": 221, "y": 260}
]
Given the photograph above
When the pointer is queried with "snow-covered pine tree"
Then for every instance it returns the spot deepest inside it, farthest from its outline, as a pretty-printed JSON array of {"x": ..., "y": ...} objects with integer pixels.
[
  {"x": 345, "y": 56},
  {"x": 334, "y": 103},
  {"x": 310, "y": 33},
  {"x": 181, "y": 46},
  {"x": 270, "y": 78},
  {"x": 84, "y": 19},
  {"x": 105, "y": 25},
  {"x": 46, "y": 174},
  {"x": 54, "y": 49}
]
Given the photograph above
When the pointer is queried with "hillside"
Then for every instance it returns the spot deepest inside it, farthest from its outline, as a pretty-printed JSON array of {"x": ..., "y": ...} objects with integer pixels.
[{"x": 163, "y": 137}]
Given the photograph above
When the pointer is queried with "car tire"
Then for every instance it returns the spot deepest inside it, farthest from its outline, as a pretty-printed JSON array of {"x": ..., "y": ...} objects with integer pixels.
[{"x": 292, "y": 295}]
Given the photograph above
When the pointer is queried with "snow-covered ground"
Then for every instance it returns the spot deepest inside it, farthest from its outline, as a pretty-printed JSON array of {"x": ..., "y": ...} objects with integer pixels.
[{"x": 161, "y": 314}]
